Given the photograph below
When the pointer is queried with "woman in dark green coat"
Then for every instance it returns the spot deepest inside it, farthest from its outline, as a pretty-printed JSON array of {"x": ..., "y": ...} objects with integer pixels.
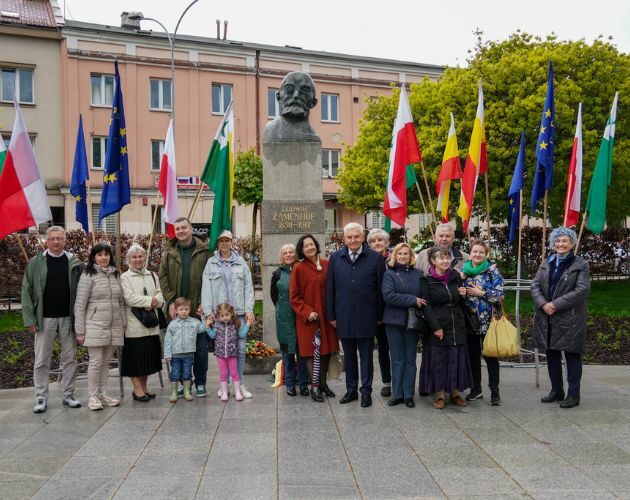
[{"x": 294, "y": 366}]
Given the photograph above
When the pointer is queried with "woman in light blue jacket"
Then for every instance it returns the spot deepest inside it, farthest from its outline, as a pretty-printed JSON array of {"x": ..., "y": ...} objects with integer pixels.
[{"x": 226, "y": 279}]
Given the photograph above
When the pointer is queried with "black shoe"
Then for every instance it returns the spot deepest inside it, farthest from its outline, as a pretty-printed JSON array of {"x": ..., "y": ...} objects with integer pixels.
[
  {"x": 495, "y": 399},
  {"x": 474, "y": 395},
  {"x": 144, "y": 398},
  {"x": 570, "y": 402},
  {"x": 291, "y": 391},
  {"x": 554, "y": 395},
  {"x": 348, "y": 397},
  {"x": 410, "y": 403},
  {"x": 149, "y": 395},
  {"x": 304, "y": 391},
  {"x": 386, "y": 391},
  {"x": 395, "y": 401},
  {"x": 317, "y": 395},
  {"x": 366, "y": 400},
  {"x": 329, "y": 393}
]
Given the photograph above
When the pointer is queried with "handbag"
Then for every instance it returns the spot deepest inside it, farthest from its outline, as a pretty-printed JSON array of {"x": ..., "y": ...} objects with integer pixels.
[
  {"x": 149, "y": 319},
  {"x": 416, "y": 322},
  {"x": 334, "y": 366},
  {"x": 160, "y": 312},
  {"x": 473, "y": 325},
  {"x": 502, "y": 338}
]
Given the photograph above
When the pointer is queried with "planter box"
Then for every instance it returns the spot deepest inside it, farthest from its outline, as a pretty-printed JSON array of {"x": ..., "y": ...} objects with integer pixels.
[{"x": 261, "y": 366}]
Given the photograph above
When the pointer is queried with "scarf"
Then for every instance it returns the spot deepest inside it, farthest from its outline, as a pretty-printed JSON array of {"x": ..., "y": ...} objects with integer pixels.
[
  {"x": 471, "y": 271},
  {"x": 442, "y": 278}
]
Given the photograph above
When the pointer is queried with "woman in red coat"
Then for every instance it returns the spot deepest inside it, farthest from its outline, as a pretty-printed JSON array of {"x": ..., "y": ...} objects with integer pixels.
[{"x": 307, "y": 292}]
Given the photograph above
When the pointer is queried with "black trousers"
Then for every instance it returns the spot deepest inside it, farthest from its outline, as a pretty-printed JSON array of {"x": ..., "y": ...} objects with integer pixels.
[
  {"x": 365, "y": 349},
  {"x": 574, "y": 370},
  {"x": 475, "y": 343},
  {"x": 383, "y": 354}
]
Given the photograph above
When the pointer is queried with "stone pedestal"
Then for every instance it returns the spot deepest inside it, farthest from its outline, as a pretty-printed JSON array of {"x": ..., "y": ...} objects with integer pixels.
[{"x": 292, "y": 206}]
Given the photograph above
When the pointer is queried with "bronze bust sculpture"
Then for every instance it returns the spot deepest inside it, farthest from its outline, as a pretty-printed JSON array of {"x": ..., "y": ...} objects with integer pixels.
[{"x": 296, "y": 98}]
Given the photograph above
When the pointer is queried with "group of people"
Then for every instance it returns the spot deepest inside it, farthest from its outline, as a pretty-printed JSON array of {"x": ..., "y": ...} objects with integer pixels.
[
  {"x": 364, "y": 292},
  {"x": 208, "y": 297}
]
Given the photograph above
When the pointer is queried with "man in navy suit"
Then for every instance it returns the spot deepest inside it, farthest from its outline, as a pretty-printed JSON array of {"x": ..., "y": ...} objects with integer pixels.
[{"x": 354, "y": 306}]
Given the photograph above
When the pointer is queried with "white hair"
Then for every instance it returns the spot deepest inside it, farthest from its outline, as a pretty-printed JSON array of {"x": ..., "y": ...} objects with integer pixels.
[
  {"x": 352, "y": 226},
  {"x": 445, "y": 227},
  {"x": 376, "y": 233},
  {"x": 135, "y": 248},
  {"x": 56, "y": 229}
]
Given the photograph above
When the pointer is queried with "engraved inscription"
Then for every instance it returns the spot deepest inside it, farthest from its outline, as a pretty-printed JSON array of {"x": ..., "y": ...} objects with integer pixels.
[{"x": 283, "y": 217}]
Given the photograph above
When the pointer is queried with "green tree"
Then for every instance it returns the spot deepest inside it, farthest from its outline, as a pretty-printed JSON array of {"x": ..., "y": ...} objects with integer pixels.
[
  {"x": 248, "y": 183},
  {"x": 514, "y": 75}
]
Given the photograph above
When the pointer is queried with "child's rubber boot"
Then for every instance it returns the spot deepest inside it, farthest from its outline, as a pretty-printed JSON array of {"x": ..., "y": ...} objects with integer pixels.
[
  {"x": 224, "y": 391},
  {"x": 187, "y": 394},
  {"x": 173, "y": 397},
  {"x": 238, "y": 395}
]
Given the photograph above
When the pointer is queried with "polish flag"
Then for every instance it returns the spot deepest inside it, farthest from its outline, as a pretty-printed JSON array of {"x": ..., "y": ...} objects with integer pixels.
[
  {"x": 168, "y": 181},
  {"x": 574, "y": 179},
  {"x": 403, "y": 153},
  {"x": 23, "y": 198}
]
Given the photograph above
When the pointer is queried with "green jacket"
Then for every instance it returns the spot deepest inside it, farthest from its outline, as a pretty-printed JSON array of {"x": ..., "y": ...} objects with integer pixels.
[
  {"x": 171, "y": 272},
  {"x": 285, "y": 317},
  {"x": 34, "y": 283}
]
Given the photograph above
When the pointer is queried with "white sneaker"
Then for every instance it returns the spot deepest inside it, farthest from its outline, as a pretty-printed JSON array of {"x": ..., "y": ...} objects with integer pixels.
[
  {"x": 40, "y": 406},
  {"x": 71, "y": 402},
  {"x": 246, "y": 394},
  {"x": 95, "y": 404},
  {"x": 108, "y": 400}
]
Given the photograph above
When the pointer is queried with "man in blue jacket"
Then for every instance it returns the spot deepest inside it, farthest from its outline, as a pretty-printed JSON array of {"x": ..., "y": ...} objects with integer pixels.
[{"x": 354, "y": 307}]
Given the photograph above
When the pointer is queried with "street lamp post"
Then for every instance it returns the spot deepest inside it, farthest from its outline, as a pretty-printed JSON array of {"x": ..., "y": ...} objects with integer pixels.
[{"x": 138, "y": 16}]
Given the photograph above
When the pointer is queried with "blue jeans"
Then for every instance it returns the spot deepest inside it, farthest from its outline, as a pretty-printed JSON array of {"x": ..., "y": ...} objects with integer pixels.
[
  {"x": 403, "y": 345},
  {"x": 294, "y": 370},
  {"x": 181, "y": 368}
]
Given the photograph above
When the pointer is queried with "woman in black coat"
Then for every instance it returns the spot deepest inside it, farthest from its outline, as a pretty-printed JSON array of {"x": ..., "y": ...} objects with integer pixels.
[
  {"x": 559, "y": 291},
  {"x": 449, "y": 364}
]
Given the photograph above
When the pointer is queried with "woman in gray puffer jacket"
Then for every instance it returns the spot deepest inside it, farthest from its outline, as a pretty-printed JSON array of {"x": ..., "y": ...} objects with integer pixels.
[
  {"x": 100, "y": 320},
  {"x": 559, "y": 291}
]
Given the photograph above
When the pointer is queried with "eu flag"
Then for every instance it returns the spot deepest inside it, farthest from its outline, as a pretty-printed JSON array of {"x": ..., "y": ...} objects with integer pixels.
[
  {"x": 543, "y": 179},
  {"x": 80, "y": 175},
  {"x": 116, "y": 190},
  {"x": 514, "y": 195}
]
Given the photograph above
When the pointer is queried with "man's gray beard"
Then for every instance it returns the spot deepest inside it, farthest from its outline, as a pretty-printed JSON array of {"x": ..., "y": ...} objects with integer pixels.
[{"x": 294, "y": 111}]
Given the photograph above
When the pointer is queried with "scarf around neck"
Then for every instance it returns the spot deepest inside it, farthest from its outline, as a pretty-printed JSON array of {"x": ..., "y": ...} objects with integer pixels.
[
  {"x": 471, "y": 271},
  {"x": 443, "y": 278}
]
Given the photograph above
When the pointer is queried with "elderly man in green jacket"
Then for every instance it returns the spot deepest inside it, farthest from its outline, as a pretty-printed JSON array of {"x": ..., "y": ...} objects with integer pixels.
[{"x": 49, "y": 290}]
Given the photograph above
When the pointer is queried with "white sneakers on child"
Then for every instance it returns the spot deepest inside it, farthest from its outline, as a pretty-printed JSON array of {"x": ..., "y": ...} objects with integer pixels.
[{"x": 246, "y": 394}]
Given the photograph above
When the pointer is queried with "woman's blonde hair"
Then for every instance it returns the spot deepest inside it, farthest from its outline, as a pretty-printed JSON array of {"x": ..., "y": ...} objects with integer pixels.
[
  {"x": 283, "y": 248},
  {"x": 393, "y": 259}
]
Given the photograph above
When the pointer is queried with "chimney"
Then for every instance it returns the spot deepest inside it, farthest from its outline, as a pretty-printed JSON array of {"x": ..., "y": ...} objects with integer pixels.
[
  {"x": 129, "y": 24},
  {"x": 218, "y": 29},
  {"x": 224, "y": 29}
]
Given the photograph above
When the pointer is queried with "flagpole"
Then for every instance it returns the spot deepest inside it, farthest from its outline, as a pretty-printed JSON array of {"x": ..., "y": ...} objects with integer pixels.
[
  {"x": 157, "y": 201},
  {"x": 424, "y": 207},
  {"x": 195, "y": 202},
  {"x": 17, "y": 236},
  {"x": 118, "y": 240},
  {"x": 488, "y": 213},
  {"x": 89, "y": 213},
  {"x": 584, "y": 219},
  {"x": 517, "y": 305},
  {"x": 426, "y": 185},
  {"x": 544, "y": 234}
]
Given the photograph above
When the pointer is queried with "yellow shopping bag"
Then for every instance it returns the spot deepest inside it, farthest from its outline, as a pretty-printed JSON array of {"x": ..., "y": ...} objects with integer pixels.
[
  {"x": 278, "y": 373},
  {"x": 502, "y": 338}
]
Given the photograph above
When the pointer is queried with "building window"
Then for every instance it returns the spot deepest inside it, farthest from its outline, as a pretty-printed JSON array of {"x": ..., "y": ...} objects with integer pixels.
[
  {"x": 273, "y": 106},
  {"x": 221, "y": 97},
  {"x": 330, "y": 220},
  {"x": 6, "y": 139},
  {"x": 378, "y": 219},
  {"x": 161, "y": 94},
  {"x": 108, "y": 224},
  {"x": 157, "y": 148},
  {"x": 99, "y": 148},
  {"x": 330, "y": 162},
  {"x": 330, "y": 108},
  {"x": 102, "y": 90},
  {"x": 20, "y": 82},
  {"x": 159, "y": 221}
]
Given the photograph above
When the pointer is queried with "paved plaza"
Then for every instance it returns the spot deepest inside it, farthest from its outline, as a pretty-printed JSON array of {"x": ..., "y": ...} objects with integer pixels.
[{"x": 274, "y": 446}]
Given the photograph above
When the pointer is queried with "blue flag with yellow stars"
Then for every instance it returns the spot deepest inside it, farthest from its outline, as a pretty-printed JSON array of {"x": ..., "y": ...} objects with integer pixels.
[
  {"x": 543, "y": 179},
  {"x": 514, "y": 195},
  {"x": 116, "y": 190},
  {"x": 80, "y": 175}
]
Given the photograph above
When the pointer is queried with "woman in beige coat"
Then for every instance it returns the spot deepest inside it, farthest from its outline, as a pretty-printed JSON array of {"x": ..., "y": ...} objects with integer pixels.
[
  {"x": 100, "y": 320},
  {"x": 142, "y": 354}
]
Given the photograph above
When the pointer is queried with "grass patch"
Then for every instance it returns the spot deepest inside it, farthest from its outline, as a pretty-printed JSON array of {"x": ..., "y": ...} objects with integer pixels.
[
  {"x": 11, "y": 322},
  {"x": 608, "y": 298},
  {"x": 258, "y": 309}
]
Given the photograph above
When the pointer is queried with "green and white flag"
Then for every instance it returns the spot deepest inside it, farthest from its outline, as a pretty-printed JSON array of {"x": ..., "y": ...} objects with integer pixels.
[
  {"x": 3, "y": 153},
  {"x": 218, "y": 174},
  {"x": 600, "y": 183}
]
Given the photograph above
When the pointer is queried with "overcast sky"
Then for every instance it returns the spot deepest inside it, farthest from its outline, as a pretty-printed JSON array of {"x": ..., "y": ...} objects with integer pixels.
[{"x": 436, "y": 32}]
